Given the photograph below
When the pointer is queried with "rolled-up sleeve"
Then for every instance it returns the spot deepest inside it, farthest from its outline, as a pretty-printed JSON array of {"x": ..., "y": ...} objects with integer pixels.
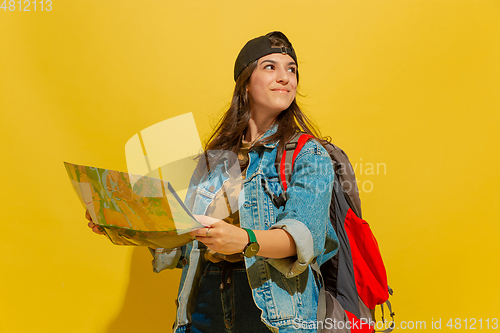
[{"x": 306, "y": 215}]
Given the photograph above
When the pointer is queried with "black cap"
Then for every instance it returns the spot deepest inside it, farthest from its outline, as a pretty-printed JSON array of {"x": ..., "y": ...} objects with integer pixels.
[{"x": 257, "y": 48}]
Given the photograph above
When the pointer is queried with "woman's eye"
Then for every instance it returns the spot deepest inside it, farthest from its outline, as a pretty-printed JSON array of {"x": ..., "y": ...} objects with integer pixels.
[
  {"x": 269, "y": 67},
  {"x": 292, "y": 70}
]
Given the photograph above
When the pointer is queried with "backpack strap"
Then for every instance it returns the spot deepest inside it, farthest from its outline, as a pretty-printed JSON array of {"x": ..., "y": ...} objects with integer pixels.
[
  {"x": 296, "y": 143},
  {"x": 298, "y": 140},
  {"x": 342, "y": 168},
  {"x": 322, "y": 293},
  {"x": 391, "y": 327}
]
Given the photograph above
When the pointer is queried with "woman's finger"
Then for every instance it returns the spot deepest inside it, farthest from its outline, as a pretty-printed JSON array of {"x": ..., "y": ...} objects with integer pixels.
[
  {"x": 202, "y": 232},
  {"x": 98, "y": 230},
  {"x": 95, "y": 228},
  {"x": 87, "y": 215}
]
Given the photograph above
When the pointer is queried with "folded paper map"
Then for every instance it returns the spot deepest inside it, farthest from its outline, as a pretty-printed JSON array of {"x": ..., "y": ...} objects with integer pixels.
[{"x": 132, "y": 209}]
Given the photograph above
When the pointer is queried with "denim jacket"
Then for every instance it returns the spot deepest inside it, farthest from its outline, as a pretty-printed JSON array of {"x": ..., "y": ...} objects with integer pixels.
[{"x": 284, "y": 289}]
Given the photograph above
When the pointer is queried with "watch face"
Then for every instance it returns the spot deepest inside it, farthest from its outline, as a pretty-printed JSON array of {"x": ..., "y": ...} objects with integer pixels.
[{"x": 251, "y": 250}]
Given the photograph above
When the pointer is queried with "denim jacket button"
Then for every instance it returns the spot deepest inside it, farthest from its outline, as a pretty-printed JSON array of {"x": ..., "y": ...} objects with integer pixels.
[
  {"x": 211, "y": 188},
  {"x": 184, "y": 261}
]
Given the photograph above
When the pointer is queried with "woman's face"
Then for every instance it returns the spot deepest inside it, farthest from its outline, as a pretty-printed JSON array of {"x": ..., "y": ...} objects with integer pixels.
[{"x": 273, "y": 84}]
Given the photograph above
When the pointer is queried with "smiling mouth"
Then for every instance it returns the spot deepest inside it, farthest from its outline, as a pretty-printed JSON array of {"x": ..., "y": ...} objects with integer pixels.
[{"x": 282, "y": 91}]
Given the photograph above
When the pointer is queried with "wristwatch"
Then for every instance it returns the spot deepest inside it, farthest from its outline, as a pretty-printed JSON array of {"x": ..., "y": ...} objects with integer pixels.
[{"x": 252, "y": 247}]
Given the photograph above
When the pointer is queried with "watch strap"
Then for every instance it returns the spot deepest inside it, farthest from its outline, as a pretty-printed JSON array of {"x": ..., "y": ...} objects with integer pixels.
[{"x": 251, "y": 235}]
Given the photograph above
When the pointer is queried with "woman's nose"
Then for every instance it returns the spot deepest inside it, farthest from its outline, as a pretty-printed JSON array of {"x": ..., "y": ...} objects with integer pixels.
[{"x": 282, "y": 76}]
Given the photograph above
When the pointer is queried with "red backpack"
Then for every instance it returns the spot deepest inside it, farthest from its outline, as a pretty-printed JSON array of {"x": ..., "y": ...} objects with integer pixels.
[{"x": 354, "y": 281}]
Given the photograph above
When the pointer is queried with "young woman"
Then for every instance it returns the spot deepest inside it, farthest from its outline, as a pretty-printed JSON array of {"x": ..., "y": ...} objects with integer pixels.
[{"x": 249, "y": 271}]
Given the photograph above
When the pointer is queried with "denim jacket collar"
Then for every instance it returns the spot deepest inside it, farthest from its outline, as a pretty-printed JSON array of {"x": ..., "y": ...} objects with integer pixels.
[{"x": 268, "y": 133}]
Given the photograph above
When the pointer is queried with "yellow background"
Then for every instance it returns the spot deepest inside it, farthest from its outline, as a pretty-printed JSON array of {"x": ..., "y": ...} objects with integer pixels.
[{"x": 409, "y": 84}]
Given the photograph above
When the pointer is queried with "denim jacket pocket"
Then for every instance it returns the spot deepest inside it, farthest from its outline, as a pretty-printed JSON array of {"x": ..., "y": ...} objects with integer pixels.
[
  {"x": 272, "y": 190},
  {"x": 202, "y": 200}
]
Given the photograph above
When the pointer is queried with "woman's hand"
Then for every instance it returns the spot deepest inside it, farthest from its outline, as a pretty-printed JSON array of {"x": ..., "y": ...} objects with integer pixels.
[
  {"x": 95, "y": 228},
  {"x": 220, "y": 236}
]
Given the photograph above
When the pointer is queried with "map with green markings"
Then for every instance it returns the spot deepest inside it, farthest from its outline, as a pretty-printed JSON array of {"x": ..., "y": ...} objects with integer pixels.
[{"x": 132, "y": 209}]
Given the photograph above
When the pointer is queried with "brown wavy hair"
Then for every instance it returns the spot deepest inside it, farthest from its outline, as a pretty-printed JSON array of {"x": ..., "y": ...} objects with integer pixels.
[{"x": 231, "y": 128}]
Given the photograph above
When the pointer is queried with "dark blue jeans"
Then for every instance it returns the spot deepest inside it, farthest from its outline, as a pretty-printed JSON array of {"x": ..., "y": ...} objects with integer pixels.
[{"x": 224, "y": 302}]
